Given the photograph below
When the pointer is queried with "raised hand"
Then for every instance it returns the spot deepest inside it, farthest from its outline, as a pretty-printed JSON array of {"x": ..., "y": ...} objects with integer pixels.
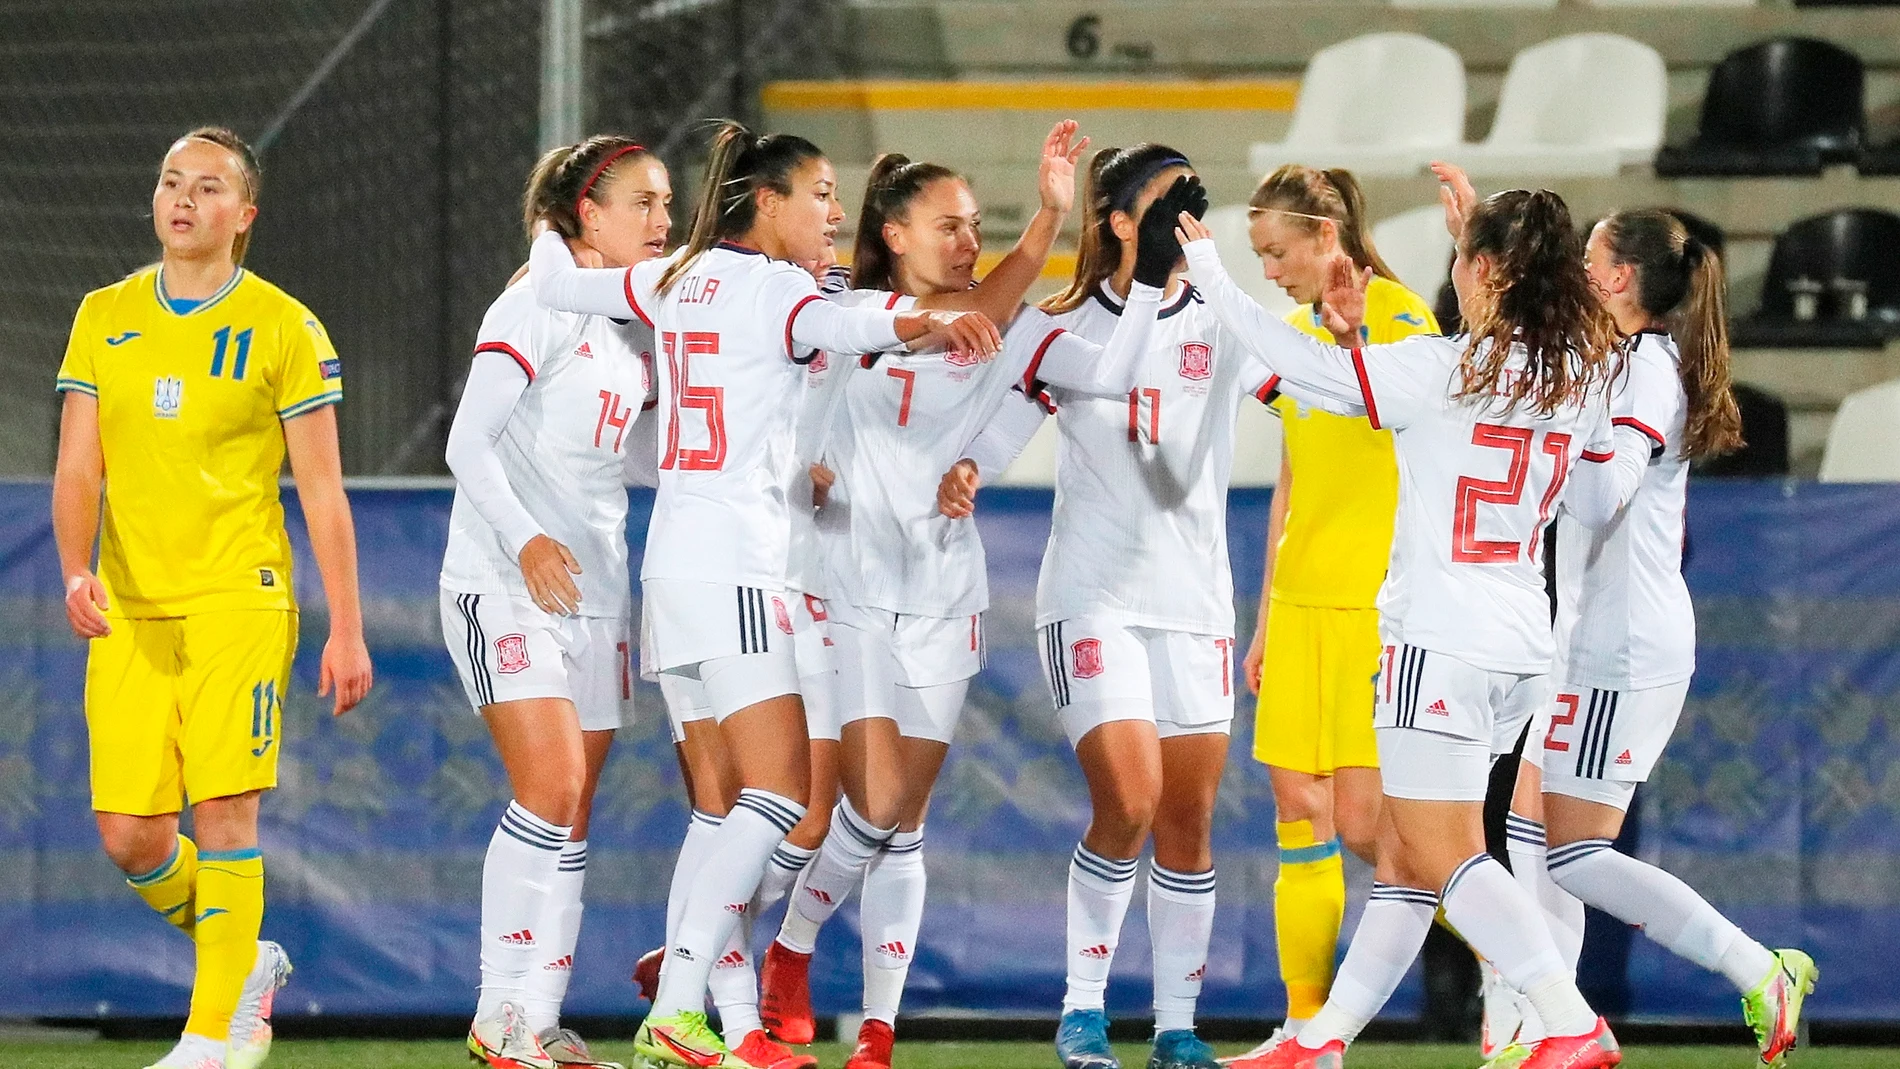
[
  {"x": 1456, "y": 194},
  {"x": 1342, "y": 307},
  {"x": 1055, "y": 176},
  {"x": 1157, "y": 250}
]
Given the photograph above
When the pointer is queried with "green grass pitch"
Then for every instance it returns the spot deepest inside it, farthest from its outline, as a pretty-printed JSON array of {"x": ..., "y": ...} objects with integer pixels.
[{"x": 434, "y": 1054}]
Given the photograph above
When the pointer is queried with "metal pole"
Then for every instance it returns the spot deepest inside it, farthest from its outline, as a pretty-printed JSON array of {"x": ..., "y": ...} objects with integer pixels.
[{"x": 563, "y": 56}]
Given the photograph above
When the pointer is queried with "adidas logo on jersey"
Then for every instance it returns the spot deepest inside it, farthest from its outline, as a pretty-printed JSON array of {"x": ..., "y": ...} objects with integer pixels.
[
  {"x": 585, "y": 350},
  {"x": 563, "y": 964},
  {"x": 737, "y": 909},
  {"x": 1624, "y": 758},
  {"x": 1197, "y": 975},
  {"x": 522, "y": 938},
  {"x": 733, "y": 960},
  {"x": 1437, "y": 708},
  {"x": 819, "y": 895},
  {"x": 1098, "y": 952},
  {"x": 893, "y": 949}
]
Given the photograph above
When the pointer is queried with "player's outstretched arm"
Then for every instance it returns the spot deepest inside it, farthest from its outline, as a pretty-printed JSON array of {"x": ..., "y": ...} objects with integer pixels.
[
  {"x": 77, "y": 481},
  {"x": 316, "y": 464}
]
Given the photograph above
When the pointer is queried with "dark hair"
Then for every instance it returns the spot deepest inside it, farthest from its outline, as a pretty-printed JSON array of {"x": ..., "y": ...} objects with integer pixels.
[
  {"x": 1115, "y": 179},
  {"x": 741, "y": 164},
  {"x": 226, "y": 138},
  {"x": 1537, "y": 296},
  {"x": 895, "y": 181},
  {"x": 1307, "y": 193},
  {"x": 563, "y": 176},
  {"x": 1680, "y": 281}
]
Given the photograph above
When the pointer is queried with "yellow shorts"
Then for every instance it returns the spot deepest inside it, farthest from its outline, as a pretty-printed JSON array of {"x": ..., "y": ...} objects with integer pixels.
[
  {"x": 187, "y": 707},
  {"x": 1316, "y": 689}
]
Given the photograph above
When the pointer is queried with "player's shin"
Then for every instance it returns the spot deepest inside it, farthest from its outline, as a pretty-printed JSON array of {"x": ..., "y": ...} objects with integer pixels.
[
  {"x": 734, "y": 987},
  {"x": 1309, "y": 905},
  {"x": 892, "y": 911},
  {"x": 559, "y": 932},
  {"x": 230, "y": 904},
  {"x": 1499, "y": 921},
  {"x": 518, "y": 877},
  {"x": 171, "y": 888},
  {"x": 1180, "y": 925},
  {"x": 1387, "y": 941},
  {"x": 849, "y": 847},
  {"x": 1099, "y": 892}
]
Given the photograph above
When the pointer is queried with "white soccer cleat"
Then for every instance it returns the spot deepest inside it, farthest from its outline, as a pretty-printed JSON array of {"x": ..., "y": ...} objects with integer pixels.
[
  {"x": 193, "y": 1052},
  {"x": 568, "y": 1049},
  {"x": 503, "y": 1040},
  {"x": 1272, "y": 1041},
  {"x": 250, "y": 1023}
]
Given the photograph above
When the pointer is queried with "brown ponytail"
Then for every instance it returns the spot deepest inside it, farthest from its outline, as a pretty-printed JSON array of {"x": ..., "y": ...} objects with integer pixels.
[
  {"x": 1680, "y": 280},
  {"x": 1537, "y": 296},
  {"x": 563, "y": 176},
  {"x": 1309, "y": 196},
  {"x": 740, "y": 165},
  {"x": 895, "y": 181},
  {"x": 252, "y": 171},
  {"x": 1114, "y": 181}
]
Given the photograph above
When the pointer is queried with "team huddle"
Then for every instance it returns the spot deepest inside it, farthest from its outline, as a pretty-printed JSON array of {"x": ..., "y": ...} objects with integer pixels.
[{"x": 813, "y": 585}]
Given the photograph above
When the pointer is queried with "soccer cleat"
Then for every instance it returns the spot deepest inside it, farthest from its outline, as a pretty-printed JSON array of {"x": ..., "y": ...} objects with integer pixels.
[
  {"x": 785, "y": 995},
  {"x": 1595, "y": 1049},
  {"x": 193, "y": 1052},
  {"x": 1503, "y": 1016},
  {"x": 1279, "y": 1035},
  {"x": 503, "y": 1040},
  {"x": 1180, "y": 1048},
  {"x": 684, "y": 1039},
  {"x": 250, "y": 1024},
  {"x": 567, "y": 1048},
  {"x": 1290, "y": 1054},
  {"x": 1510, "y": 1057},
  {"x": 875, "y": 1040},
  {"x": 760, "y": 1051},
  {"x": 1773, "y": 1008},
  {"x": 646, "y": 972},
  {"x": 1082, "y": 1041}
]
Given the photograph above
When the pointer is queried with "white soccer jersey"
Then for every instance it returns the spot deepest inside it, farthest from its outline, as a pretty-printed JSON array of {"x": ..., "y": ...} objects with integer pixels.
[
  {"x": 1139, "y": 533},
  {"x": 1623, "y": 610},
  {"x": 818, "y": 418},
  {"x": 734, "y": 334},
  {"x": 1477, "y": 481},
  {"x": 563, "y": 449}
]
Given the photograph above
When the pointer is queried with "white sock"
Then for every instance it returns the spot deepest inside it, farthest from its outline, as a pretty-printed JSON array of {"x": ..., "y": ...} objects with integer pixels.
[
  {"x": 849, "y": 847},
  {"x": 1563, "y": 913},
  {"x": 561, "y": 932},
  {"x": 1494, "y": 915},
  {"x": 720, "y": 895},
  {"x": 1292, "y": 1025},
  {"x": 1668, "y": 910},
  {"x": 780, "y": 874},
  {"x": 890, "y": 913},
  {"x": 1099, "y": 891},
  {"x": 734, "y": 987},
  {"x": 1383, "y": 947},
  {"x": 693, "y": 850},
  {"x": 517, "y": 876},
  {"x": 1180, "y": 925}
]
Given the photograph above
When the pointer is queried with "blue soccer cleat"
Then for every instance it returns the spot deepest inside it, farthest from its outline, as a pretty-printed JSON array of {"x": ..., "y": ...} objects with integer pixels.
[
  {"x": 1082, "y": 1041},
  {"x": 1180, "y": 1048}
]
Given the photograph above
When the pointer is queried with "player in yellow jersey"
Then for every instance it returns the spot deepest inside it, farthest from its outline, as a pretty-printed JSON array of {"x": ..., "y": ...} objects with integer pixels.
[
  {"x": 1316, "y": 647},
  {"x": 186, "y": 384}
]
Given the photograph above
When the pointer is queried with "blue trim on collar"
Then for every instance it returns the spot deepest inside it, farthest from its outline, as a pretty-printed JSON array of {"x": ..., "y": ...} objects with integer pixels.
[{"x": 172, "y": 304}]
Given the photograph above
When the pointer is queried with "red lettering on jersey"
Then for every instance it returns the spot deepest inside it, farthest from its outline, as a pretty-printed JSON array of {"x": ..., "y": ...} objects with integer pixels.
[
  {"x": 1197, "y": 360},
  {"x": 511, "y": 654},
  {"x": 816, "y": 607},
  {"x": 1086, "y": 656},
  {"x": 698, "y": 289},
  {"x": 1570, "y": 703},
  {"x": 784, "y": 618}
]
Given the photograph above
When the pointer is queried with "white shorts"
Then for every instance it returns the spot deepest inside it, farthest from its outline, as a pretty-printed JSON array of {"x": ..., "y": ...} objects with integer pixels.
[
  {"x": 911, "y": 669},
  {"x": 1102, "y": 670},
  {"x": 686, "y": 697},
  {"x": 506, "y": 649},
  {"x": 1597, "y": 745},
  {"x": 1441, "y": 722}
]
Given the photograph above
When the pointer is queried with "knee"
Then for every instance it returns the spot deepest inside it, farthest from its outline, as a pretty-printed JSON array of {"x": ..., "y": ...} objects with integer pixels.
[
  {"x": 554, "y": 797},
  {"x": 1124, "y": 821},
  {"x": 136, "y": 849}
]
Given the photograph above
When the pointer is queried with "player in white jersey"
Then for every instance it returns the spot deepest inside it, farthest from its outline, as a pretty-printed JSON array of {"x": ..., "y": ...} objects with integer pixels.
[
  {"x": 1486, "y": 429},
  {"x": 1626, "y": 630},
  {"x": 737, "y": 317},
  {"x": 535, "y": 591},
  {"x": 910, "y": 585}
]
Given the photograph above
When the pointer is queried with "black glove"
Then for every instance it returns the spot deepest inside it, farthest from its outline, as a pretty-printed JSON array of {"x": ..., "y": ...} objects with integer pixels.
[{"x": 1156, "y": 250}]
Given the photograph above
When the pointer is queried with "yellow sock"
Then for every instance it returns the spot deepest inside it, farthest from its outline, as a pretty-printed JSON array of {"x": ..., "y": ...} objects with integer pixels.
[
  {"x": 230, "y": 912},
  {"x": 169, "y": 888},
  {"x": 1309, "y": 904}
]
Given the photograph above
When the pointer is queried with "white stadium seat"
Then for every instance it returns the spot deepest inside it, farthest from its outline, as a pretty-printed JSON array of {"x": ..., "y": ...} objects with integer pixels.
[
  {"x": 1863, "y": 446},
  {"x": 1381, "y": 104},
  {"x": 1585, "y": 104},
  {"x": 1416, "y": 245}
]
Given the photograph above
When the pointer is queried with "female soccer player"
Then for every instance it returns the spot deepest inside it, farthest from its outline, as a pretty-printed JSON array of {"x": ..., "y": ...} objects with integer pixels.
[
  {"x": 736, "y": 317},
  {"x": 1329, "y": 538},
  {"x": 535, "y": 596},
  {"x": 910, "y": 584},
  {"x": 1626, "y": 630},
  {"x": 189, "y": 382},
  {"x": 1486, "y": 429}
]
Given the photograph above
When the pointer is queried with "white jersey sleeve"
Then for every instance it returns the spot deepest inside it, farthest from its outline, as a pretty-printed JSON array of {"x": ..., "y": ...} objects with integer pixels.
[
  {"x": 1071, "y": 362},
  {"x": 494, "y": 384},
  {"x": 617, "y": 292}
]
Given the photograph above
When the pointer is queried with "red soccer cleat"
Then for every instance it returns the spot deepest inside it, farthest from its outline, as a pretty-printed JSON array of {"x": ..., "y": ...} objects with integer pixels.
[
  {"x": 760, "y": 1051},
  {"x": 785, "y": 995},
  {"x": 875, "y": 1039},
  {"x": 1288, "y": 1054},
  {"x": 646, "y": 972},
  {"x": 1595, "y": 1049}
]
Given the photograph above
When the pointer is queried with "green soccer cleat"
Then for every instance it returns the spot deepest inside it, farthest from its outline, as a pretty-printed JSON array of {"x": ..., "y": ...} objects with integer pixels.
[
  {"x": 684, "y": 1039},
  {"x": 1510, "y": 1057},
  {"x": 1773, "y": 1008}
]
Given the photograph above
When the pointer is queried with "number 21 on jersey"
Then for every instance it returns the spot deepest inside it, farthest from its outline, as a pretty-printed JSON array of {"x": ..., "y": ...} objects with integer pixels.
[
  {"x": 680, "y": 348},
  {"x": 1466, "y": 546}
]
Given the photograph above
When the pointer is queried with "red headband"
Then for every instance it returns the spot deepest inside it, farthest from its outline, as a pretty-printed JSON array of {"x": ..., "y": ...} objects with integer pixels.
[{"x": 602, "y": 169}]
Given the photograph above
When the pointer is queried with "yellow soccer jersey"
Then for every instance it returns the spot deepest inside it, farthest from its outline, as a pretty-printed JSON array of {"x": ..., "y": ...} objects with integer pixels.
[
  {"x": 190, "y": 419},
  {"x": 1338, "y": 537}
]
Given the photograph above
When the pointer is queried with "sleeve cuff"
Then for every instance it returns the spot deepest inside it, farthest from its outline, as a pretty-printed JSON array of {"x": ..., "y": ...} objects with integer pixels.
[
  {"x": 76, "y": 386},
  {"x": 311, "y": 404}
]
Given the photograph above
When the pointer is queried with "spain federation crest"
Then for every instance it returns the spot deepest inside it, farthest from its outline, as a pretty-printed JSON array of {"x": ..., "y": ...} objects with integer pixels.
[{"x": 1197, "y": 360}]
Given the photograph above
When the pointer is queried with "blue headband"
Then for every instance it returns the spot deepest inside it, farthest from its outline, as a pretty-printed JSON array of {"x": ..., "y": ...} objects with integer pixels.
[{"x": 1134, "y": 187}]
